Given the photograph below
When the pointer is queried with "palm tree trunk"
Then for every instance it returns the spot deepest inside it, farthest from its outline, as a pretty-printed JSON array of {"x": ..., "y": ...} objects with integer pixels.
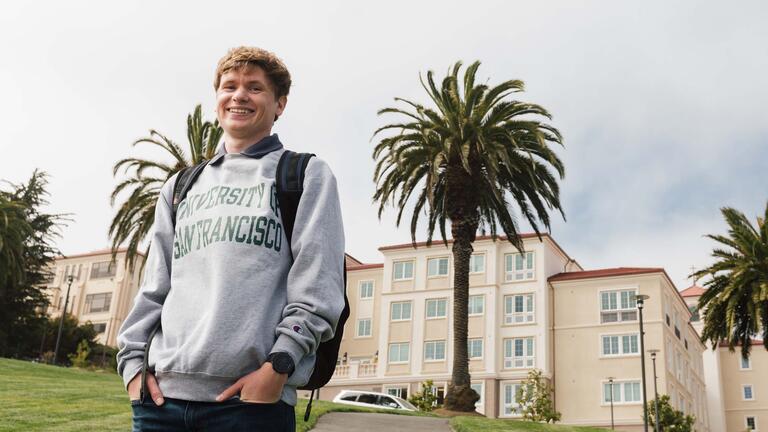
[{"x": 460, "y": 396}]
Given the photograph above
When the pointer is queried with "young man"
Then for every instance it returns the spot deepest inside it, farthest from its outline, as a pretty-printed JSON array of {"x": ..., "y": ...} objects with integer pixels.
[{"x": 242, "y": 311}]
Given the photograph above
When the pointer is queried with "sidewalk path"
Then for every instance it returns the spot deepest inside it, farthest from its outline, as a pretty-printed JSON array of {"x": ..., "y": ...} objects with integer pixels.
[{"x": 371, "y": 422}]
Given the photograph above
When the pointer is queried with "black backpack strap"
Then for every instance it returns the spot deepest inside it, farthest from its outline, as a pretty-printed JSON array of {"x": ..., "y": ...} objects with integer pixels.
[
  {"x": 184, "y": 181},
  {"x": 289, "y": 182}
]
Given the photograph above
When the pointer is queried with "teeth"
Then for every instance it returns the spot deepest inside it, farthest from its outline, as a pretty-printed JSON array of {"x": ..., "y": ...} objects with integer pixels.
[{"x": 238, "y": 111}]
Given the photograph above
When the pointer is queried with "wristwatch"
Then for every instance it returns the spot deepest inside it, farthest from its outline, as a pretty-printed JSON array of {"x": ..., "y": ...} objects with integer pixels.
[{"x": 281, "y": 362}]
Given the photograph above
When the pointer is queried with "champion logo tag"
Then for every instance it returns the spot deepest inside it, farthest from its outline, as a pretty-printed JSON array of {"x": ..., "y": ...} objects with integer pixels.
[{"x": 297, "y": 329}]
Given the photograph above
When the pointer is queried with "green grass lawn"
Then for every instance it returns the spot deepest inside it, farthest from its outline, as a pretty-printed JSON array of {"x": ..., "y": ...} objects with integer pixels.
[
  {"x": 477, "y": 424},
  {"x": 36, "y": 397}
]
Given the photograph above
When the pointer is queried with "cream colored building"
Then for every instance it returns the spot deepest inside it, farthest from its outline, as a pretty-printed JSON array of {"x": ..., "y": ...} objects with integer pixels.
[
  {"x": 737, "y": 388},
  {"x": 597, "y": 339},
  {"x": 535, "y": 310},
  {"x": 102, "y": 292}
]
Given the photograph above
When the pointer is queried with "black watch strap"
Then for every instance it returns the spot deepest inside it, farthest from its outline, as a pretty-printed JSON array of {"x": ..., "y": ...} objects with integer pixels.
[{"x": 281, "y": 362}]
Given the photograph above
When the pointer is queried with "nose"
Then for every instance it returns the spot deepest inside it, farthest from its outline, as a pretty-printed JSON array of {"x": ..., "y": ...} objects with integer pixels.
[{"x": 239, "y": 95}]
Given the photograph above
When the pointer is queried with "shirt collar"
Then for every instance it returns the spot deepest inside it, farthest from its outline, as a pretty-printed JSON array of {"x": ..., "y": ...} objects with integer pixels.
[{"x": 265, "y": 146}]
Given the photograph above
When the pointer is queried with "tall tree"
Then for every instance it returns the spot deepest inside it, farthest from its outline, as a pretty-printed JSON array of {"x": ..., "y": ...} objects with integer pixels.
[
  {"x": 136, "y": 214},
  {"x": 26, "y": 254},
  {"x": 735, "y": 303},
  {"x": 468, "y": 161}
]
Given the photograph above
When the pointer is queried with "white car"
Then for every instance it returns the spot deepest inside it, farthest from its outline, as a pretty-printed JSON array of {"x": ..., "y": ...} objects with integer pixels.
[{"x": 369, "y": 399}]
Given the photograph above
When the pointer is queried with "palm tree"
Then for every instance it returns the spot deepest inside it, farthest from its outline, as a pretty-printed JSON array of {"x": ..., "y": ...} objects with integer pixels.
[
  {"x": 735, "y": 303},
  {"x": 136, "y": 214},
  {"x": 468, "y": 161}
]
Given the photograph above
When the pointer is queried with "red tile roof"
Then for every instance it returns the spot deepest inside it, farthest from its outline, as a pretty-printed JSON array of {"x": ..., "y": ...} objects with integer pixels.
[
  {"x": 619, "y": 271},
  {"x": 351, "y": 261},
  {"x": 364, "y": 267},
  {"x": 755, "y": 342},
  {"x": 437, "y": 242},
  {"x": 96, "y": 252},
  {"x": 692, "y": 291}
]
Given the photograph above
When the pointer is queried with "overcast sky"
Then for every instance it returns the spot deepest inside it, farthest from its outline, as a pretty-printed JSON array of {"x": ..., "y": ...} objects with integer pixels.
[{"x": 662, "y": 104}]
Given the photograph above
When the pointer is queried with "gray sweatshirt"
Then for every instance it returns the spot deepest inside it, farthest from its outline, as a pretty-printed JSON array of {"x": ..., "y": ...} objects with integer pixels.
[{"x": 224, "y": 285}]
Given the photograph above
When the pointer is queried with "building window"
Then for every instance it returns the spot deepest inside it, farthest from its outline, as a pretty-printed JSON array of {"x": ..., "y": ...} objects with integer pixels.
[
  {"x": 480, "y": 404},
  {"x": 434, "y": 350},
  {"x": 747, "y": 392},
  {"x": 437, "y": 266},
  {"x": 401, "y": 311},
  {"x": 436, "y": 308},
  {"x": 618, "y": 306},
  {"x": 475, "y": 348},
  {"x": 97, "y": 302},
  {"x": 439, "y": 391},
  {"x": 694, "y": 313},
  {"x": 745, "y": 363},
  {"x": 476, "y": 304},
  {"x": 518, "y": 309},
  {"x": 399, "y": 352},
  {"x": 364, "y": 327},
  {"x": 403, "y": 270},
  {"x": 102, "y": 269},
  {"x": 518, "y": 353},
  {"x": 400, "y": 391},
  {"x": 100, "y": 327},
  {"x": 751, "y": 423},
  {"x": 477, "y": 263},
  {"x": 519, "y": 267},
  {"x": 623, "y": 392},
  {"x": 366, "y": 289},
  {"x": 614, "y": 345},
  {"x": 511, "y": 402}
]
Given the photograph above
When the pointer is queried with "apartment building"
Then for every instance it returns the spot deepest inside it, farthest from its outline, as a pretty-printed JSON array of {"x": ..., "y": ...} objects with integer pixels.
[
  {"x": 400, "y": 329},
  {"x": 102, "y": 292},
  {"x": 598, "y": 371},
  {"x": 737, "y": 387},
  {"x": 533, "y": 310}
]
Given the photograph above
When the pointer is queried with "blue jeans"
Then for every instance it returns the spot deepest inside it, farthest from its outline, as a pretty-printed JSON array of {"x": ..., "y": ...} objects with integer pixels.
[{"x": 177, "y": 415}]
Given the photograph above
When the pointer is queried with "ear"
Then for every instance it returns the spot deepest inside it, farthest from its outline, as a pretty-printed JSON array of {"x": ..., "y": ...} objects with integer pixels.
[{"x": 282, "y": 101}]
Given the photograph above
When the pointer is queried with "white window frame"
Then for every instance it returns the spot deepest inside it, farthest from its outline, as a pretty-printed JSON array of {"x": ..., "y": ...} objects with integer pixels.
[
  {"x": 438, "y": 274},
  {"x": 480, "y": 404},
  {"x": 620, "y": 345},
  {"x": 107, "y": 302},
  {"x": 520, "y": 318},
  {"x": 392, "y": 311},
  {"x": 435, "y": 344},
  {"x": 472, "y": 263},
  {"x": 399, "y": 352},
  {"x": 482, "y": 305},
  {"x": 437, "y": 302},
  {"x": 525, "y": 361},
  {"x": 398, "y": 387},
  {"x": 360, "y": 289},
  {"x": 618, "y": 310},
  {"x": 403, "y": 277},
  {"x": 741, "y": 363},
  {"x": 744, "y": 392},
  {"x": 526, "y": 273},
  {"x": 514, "y": 405},
  {"x": 469, "y": 348},
  {"x": 358, "y": 334},
  {"x": 754, "y": 421},
  {"x": 619, "y": 386}
]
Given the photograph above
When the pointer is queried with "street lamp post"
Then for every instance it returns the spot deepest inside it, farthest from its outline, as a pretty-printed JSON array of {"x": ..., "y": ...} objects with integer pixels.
[
  {"x": 640, "y": 302},
  {"x": 655, "y": 391},
  {"x": 610, "y": 381},
  {"x": 61, "y": 320}
]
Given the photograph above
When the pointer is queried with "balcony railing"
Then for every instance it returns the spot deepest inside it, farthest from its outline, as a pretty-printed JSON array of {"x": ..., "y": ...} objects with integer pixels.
[{"x": 354, "y": 370}]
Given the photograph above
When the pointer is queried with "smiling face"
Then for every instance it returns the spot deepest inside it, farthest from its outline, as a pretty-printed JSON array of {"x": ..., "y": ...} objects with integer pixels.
[{"x": 246, "y": 104}]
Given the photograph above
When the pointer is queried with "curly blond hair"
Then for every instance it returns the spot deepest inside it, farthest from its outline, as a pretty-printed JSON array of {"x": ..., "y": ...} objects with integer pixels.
[{"x": 241, "y": 57}]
